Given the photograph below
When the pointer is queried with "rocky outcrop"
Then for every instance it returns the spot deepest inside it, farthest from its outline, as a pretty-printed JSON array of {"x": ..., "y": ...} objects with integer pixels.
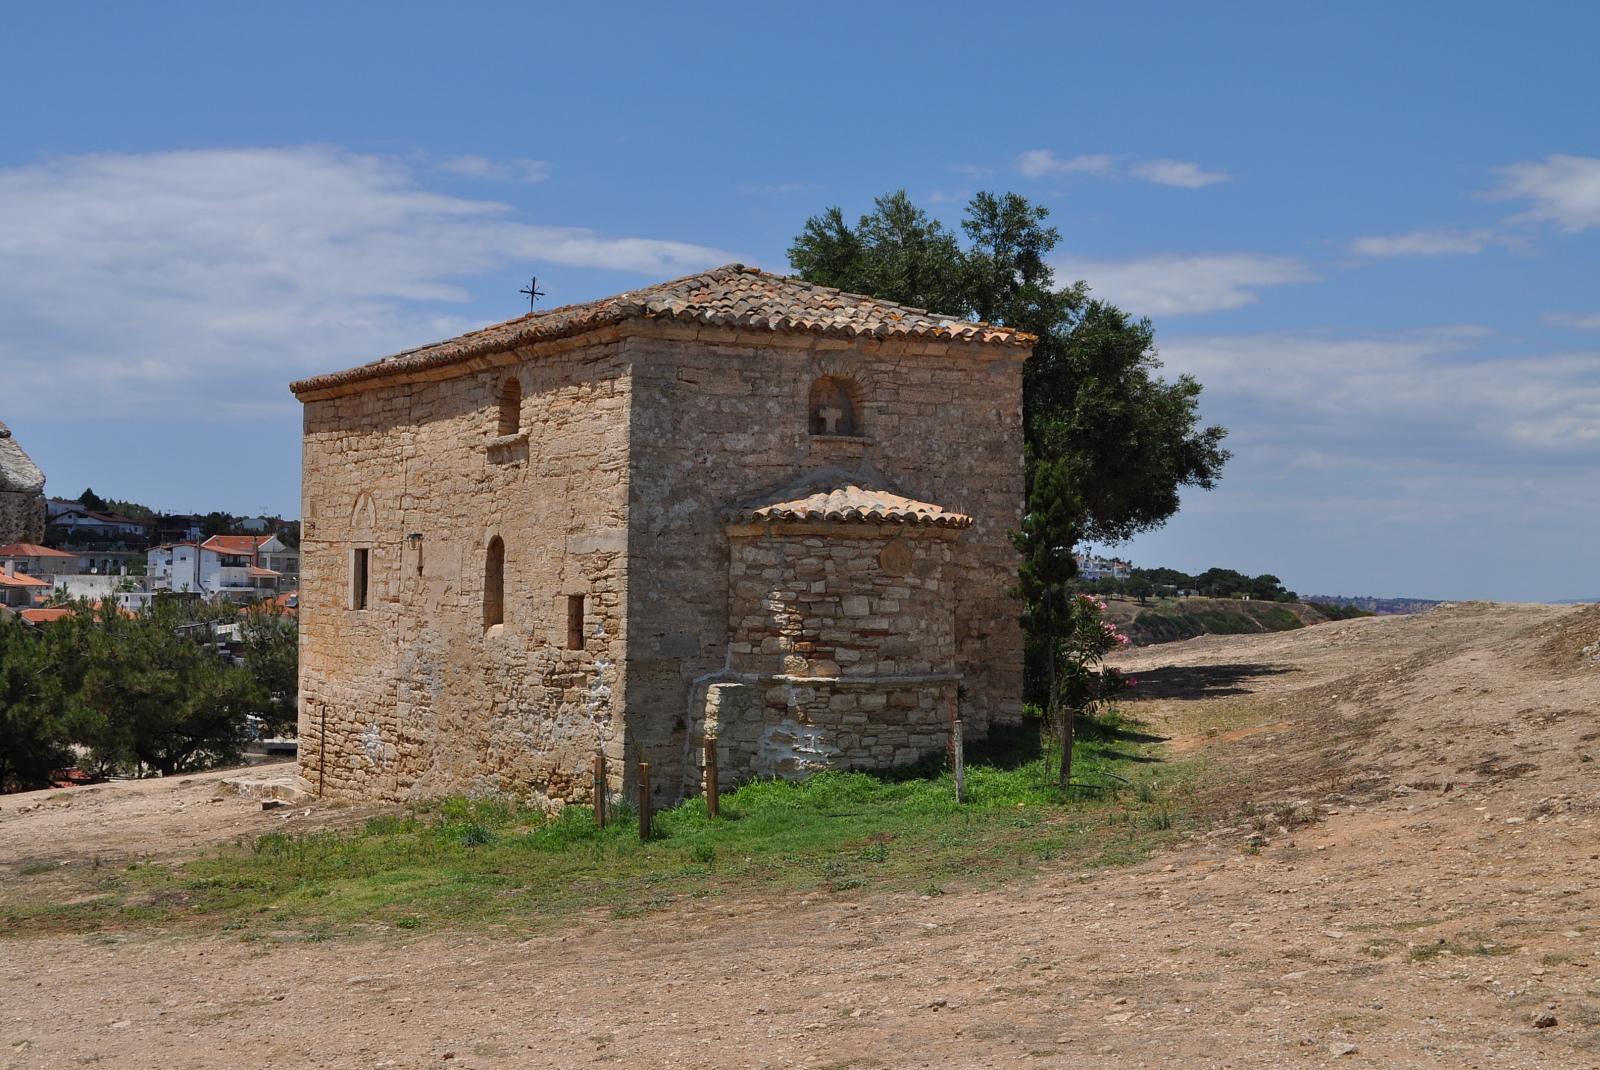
[{"x": 21, "y": 493}]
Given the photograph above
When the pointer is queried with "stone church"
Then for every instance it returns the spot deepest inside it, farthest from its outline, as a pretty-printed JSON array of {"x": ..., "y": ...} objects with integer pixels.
[
  {"x": 22, "y": 508},
  {"x": 735, "y": 504}
]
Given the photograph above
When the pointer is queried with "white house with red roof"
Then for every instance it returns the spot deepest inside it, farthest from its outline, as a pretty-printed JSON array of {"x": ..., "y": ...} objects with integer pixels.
[
  {"x": 17, "y": 589},
  {"x": 240, "y": 567}
]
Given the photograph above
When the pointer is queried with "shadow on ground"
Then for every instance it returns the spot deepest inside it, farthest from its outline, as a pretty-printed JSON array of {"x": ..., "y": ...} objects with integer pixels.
[{"x": 1201, "y": 682}]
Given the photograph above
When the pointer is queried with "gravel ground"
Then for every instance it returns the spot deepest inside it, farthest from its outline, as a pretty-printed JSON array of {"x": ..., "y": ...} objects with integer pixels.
[{"x": 1440, "y": 912}]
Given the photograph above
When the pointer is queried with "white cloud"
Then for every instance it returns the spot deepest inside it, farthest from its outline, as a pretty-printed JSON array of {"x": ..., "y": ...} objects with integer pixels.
[
  {"x": 1176, "y": 173},
  {"x": 1590, "y": 322},
  {"x": 1394, "y": 465},
  {"x": 520, "y": 170},
  {"x": 1422, "y": 243},
  {"x": 776, "y": 189},
  {"x": 203, "y": 281},
  {"x": 1042, "y": 163},
  {"x": 1395, "y": 401},
  {"x": 1175, "y": 284},
  {"x": 1565, "y": 190}
]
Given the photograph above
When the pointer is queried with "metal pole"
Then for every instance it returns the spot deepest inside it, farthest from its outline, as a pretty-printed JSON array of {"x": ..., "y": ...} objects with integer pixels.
[
  {"x": 712, "y": 803},
  {"x": 600, "y": 788},
  {"x": 644, "y": 801},
  {"x": 960, "y": 764}
]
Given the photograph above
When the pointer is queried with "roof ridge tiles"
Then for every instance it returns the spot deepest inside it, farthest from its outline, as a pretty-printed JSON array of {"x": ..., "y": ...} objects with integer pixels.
[
  {"x": 729, "y": 295},
  {"x": 849, "y": 503}
]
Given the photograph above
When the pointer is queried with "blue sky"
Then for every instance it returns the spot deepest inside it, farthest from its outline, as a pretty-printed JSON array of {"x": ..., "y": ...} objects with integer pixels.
[{"x": 1369, "y": 230}]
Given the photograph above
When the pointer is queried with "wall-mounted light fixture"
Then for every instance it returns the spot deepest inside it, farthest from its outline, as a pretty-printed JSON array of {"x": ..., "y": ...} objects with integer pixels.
[{"x": 414, "y": 540}]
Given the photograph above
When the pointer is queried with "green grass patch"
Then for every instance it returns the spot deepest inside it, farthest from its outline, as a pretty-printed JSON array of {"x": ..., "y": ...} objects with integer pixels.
[
  {"x": 1429, "y": 952},
  {"x": 472, "y": 863}
]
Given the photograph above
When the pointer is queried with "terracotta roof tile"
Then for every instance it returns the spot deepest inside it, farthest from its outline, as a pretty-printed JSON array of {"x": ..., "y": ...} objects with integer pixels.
[
  {"x": 30, "y": 549},
  {"x": 22, "y": 580},
  {"x": 850, "y": 503},
  {"x": 235, "y": 544},
  {"x": 733, "y": 295}
]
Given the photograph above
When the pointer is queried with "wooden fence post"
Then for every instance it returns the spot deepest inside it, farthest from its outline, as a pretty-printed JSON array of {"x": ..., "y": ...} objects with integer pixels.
[
  {"x": 712, "y": 803},
  {"x": 644, "y": 800},
  {"x": 600, "y": 788},
  {"x": 960, "y": 763}
]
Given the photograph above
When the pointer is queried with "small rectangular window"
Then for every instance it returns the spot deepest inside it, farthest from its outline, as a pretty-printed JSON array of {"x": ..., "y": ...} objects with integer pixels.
[
  {"x": 574, "y": 622},
  {"x": 358, "y": 578}
]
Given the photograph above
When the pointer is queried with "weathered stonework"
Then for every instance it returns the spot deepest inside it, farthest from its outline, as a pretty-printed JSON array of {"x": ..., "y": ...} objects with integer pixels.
[
  {"x": 645, "y": 428},
  {"x": 22, "y": 509}
]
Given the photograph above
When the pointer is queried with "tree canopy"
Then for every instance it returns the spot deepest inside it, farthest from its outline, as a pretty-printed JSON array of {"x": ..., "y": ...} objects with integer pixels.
[
  {"x": 1127, "y": 441},
  {"x": 131, "y": 692}
]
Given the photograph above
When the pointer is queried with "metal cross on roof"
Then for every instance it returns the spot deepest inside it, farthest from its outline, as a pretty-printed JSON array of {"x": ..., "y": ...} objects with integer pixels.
[{"x": 532, "y": 291}]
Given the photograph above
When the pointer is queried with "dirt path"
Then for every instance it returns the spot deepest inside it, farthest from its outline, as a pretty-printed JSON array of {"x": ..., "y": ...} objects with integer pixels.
[{"x": 1411, "y": 926}]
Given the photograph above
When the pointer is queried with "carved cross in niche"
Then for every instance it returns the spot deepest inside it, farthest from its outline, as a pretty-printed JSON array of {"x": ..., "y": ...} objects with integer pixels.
[{"x": 830, "y": 417}]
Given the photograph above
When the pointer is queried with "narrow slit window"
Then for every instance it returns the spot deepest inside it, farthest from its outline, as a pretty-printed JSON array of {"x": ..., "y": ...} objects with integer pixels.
[
  {"x": 511, "y": 407},
  {"x": 494, "y": 584},
  {"x": 574, "y": 622},
  {"x": 359, "y": 573}
]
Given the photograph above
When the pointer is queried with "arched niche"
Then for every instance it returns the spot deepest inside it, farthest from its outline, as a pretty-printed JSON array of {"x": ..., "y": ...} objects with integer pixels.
[{"x": 835, "y": 406}]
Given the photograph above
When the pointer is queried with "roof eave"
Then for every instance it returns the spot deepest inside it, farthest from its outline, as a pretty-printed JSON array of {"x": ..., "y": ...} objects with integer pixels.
[{"x": 432, "y": 358}]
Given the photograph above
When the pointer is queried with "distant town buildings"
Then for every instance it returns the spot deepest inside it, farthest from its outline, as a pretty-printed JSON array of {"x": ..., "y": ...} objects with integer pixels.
[
  {"x": 41, "y": 562},
  {"x": 1091, "y": 567},
  {"x": 240, "y": 567},
  {"x": 18, "y": 589},
  {"x": 55, "y": 547}
]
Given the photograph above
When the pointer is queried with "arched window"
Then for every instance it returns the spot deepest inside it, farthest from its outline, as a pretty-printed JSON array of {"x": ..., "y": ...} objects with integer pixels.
[
  {"x": 511, "y": 406},
  {"x": 833, "y": 406},
  {"x": 494, "y": 584}
]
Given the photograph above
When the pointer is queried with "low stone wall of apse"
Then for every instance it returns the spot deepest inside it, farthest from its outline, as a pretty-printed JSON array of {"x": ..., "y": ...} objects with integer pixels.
[{"x": 791, "y": 727}]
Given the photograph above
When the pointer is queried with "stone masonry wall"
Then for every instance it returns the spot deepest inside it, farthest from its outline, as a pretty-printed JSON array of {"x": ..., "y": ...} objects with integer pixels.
[
  {"x": 843, "y": 646},
  {"x": 841, "y": 599},
  {"x": 791, "y": 728},
  {"x": 21, "y": 517},
  {"x": 636, "y": 438},
  {"x": 727, "y": 418},
  {"x": 22, "y": 508},
  {"x": 418, "y": 696}
]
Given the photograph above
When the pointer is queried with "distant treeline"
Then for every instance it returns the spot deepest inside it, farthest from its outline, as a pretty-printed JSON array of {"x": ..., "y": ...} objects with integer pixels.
[
  {"x": 1383, "y": 607},
  {"x": 1143, "y": 583}
]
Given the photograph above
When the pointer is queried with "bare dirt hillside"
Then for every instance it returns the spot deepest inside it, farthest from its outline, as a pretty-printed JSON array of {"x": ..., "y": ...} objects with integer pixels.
[
  {"x": 1168, "y": 620},
  {"x": 1441, "y": 911}
]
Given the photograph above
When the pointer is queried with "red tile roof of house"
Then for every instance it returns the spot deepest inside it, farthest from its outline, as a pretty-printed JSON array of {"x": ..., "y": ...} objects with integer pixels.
[
  {"x": 733, "y": 295},
  {"x": 30, "y": 549},
  {"x": 45, "y": 616},
  {"x": 236, "y": 544},
  {"x": 22, "y": 580},
  {"x": 287, "y": 603}
]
